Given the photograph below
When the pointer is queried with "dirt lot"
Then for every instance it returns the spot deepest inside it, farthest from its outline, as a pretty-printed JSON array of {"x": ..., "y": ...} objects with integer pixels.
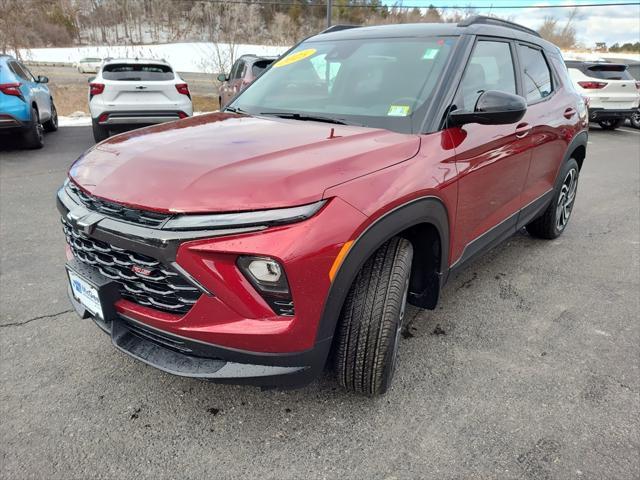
[
  {"x": 528, "y": 370},
  {"x": 69, "y": 88}
]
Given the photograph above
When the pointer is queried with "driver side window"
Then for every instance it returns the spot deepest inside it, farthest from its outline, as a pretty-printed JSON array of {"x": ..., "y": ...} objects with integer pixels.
[{"x": 490, "y": 68}]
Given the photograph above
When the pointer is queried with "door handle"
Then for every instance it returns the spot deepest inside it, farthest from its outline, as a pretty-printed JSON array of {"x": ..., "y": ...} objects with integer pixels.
[
  {"x": 522, "y": 130},
  {"x": 569, "y": 112}
]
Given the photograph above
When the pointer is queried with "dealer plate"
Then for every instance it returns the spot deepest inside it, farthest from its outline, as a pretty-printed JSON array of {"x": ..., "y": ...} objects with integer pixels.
[{"x": 85, "y": 293}]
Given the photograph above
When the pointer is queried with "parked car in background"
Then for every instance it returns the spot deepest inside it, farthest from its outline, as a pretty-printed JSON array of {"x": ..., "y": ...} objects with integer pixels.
[
  {"x": 26, "y": 104},
  {"x": 633, "y": 67},
  {"x": 289, "y": 231},
  {"x": 614, "y": 95},
  {"x": 243, "y": 72},
  {"x": 135, "y": 92},
  {"x": 89, "y": 65}
]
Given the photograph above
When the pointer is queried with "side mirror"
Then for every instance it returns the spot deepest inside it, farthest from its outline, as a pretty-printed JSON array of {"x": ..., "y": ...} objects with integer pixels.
[
  {"x": 223, "y": 77},
  {"x": 492, "y": 108},
  {"x": 42, "y": 79}
]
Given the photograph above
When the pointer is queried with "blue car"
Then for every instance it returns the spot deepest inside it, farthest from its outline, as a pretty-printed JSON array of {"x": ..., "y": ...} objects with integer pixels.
[{"x": 26, "y": 104}]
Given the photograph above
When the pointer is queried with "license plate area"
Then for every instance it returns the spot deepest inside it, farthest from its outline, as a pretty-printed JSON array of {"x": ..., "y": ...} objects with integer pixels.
[{"x": 94, "y": 292}]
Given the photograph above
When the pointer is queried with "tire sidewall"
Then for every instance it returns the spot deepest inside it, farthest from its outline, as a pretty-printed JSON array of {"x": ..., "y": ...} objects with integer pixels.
[
  {"x": 566, "y": 167},
  {"x": 391, "y": 355}
]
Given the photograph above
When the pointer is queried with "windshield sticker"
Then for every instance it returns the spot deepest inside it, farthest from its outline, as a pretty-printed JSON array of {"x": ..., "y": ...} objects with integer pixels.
[
  {"x": 295, "y": 57},
  {"x": 398, "y": 110},
  {"x": 430, "y": 53}
]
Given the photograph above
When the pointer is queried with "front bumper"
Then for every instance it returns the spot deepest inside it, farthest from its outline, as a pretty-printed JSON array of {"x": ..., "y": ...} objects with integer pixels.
[
  {"x": 596, "y": 114},
  {"x": 231, "y": 333}
]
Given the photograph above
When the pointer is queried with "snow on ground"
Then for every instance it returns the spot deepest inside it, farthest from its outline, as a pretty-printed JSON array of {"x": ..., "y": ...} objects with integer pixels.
[{"x": 204, "y": 57}]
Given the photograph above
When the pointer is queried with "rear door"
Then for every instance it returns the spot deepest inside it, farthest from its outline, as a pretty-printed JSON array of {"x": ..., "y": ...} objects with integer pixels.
[
  {"x": 492, "y": 160},
  {"x": 552, "y": 116},
  {"x": 139, "y": 87}
]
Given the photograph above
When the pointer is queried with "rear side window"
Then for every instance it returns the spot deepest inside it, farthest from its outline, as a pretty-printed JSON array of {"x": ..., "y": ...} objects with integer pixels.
[
  {"x": 19, "y": 72},
  {"x": 260, "y": 66},
  {"x": 608, "y": 72},
  {"x": 137, "y": 72},
  {"x": 490, "y": 68},
  {"x": 535, "y": 74}
]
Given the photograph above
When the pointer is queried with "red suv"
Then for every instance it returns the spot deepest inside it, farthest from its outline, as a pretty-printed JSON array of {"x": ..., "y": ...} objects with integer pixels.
[{"x": 287, "y": 233}]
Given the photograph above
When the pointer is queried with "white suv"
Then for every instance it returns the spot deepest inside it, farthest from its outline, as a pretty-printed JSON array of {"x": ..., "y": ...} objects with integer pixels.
[
  {"x": 613, "y": 94},
  {"x": 136, "y": 92}
]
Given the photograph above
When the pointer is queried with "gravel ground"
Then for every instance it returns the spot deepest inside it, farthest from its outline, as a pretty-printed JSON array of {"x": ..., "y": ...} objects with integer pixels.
[{"x": 529, "y": 368}]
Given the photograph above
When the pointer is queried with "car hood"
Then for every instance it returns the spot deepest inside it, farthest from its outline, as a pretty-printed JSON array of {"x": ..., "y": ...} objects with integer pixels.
[{"x": 228, "y": 162}]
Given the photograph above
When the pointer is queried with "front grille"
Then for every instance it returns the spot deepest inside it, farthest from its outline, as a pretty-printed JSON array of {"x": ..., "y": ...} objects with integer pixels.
[
  {"x": 143, "y": 280},
  {"x": 115, "y": 210}
]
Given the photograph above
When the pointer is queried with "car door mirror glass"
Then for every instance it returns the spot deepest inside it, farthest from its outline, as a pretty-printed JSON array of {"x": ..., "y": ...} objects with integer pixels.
[
  {"x": 43, "y": 79},
  {"x": 222, "y": 77},
  {"x": 492, "y": 108}
]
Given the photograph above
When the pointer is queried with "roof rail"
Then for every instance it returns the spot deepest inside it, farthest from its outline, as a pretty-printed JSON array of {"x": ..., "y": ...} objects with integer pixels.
[
  {"x": 484, "y": 20},
  {"x": 337, "y": 28}
]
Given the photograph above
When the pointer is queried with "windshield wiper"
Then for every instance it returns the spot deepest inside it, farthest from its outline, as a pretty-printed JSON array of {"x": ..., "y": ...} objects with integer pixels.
[
  {"x": 304, "y": 117},
  {"x": 235, "y": 110}
]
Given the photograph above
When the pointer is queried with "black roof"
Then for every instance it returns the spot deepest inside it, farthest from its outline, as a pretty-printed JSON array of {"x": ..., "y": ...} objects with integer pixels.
[{"x": 488, "y": 26}]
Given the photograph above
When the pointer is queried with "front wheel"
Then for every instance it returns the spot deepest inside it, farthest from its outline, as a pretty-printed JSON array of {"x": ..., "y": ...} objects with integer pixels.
[
  {"x": 371, "y": 320},
  {"x": 611, "y": 124},
  {"x": 555, "y": 218}
]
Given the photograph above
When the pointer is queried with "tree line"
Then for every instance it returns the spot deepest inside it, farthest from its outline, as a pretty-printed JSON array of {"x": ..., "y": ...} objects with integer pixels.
[{"x": 64, "y": 23}]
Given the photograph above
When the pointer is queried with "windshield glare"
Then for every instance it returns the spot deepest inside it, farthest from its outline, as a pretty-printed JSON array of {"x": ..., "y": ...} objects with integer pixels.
[{"x": 377, "y": 83}]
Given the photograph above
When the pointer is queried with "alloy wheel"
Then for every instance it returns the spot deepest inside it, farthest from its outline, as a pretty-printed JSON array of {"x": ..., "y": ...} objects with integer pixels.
[{"x": 566, "y": 199}]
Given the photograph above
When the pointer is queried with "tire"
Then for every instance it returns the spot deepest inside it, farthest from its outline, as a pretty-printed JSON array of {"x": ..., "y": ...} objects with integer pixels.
[
  {"x": 635, "y": 119},
  {"x": 51, "y": 125},
  {"x": 611, "y": 124},
  {"x": 100, "y": 133},
  {"x": 33, "y": 137},
  {"x": 371, "y": 320},
  {"x": 555, "y": 218}
]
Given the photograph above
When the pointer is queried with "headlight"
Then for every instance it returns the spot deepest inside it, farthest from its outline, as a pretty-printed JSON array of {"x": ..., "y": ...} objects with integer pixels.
[{"x": 279, "y": 216}]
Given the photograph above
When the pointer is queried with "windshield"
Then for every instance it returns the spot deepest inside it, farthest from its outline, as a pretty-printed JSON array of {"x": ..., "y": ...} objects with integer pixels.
[{"x": 380, "y": 83}]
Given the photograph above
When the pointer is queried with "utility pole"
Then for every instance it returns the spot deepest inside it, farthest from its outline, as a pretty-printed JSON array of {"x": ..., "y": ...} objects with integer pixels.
[{"x": 329, "y": 2}]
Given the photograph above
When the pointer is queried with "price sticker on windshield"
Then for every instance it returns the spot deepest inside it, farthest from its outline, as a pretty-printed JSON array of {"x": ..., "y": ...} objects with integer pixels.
[
  {"x": 398, "y": 111},
  {"x": 295, "y": 57}
]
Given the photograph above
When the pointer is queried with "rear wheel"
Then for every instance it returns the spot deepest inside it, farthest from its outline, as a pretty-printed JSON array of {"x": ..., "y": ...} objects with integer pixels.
[
  {"x": 33, "y": 137},
  {"x": 556, "y": 217},
  {"x": 51, "y": 125},
  {"x": 635, "y": 119},
  {"x": 371, "y": 320},
  {"x": 100, "y": 133},
  {"x": 611, "y": 124}
]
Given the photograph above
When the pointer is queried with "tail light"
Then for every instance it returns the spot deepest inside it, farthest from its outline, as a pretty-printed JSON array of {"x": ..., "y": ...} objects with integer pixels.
[
  {"x": 183, "y": 89},
  {"x": 95, "y": 89},
  {"x": 592, "y": 85},
  {"x": 11, "y": 89},
  {"x": 103, "y": 118},
  {"x": 182, "y": 115}
]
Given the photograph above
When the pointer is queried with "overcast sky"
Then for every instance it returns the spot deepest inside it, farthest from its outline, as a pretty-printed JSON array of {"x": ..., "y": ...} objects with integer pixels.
[{"x": 609, "y": 24}]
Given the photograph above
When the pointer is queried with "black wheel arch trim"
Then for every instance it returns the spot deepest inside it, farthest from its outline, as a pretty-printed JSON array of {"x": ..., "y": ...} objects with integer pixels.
[
  {"x": 580, "y": 140},
  {"x": 429, "y": 209}
]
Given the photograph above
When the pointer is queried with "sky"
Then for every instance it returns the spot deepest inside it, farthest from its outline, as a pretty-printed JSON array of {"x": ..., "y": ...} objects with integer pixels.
[{"x": 594, "y": 24}]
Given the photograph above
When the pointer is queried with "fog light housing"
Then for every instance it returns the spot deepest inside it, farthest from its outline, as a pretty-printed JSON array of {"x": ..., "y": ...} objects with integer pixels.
[{"x": 268, "y": 277}]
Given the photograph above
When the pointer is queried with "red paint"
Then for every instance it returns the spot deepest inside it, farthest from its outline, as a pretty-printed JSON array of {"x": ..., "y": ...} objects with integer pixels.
[{"x": 227, "y": 162}]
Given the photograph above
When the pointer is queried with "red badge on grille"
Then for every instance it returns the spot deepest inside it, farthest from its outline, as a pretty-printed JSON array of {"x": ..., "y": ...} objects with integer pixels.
[{"x": 141, "y": 270}]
